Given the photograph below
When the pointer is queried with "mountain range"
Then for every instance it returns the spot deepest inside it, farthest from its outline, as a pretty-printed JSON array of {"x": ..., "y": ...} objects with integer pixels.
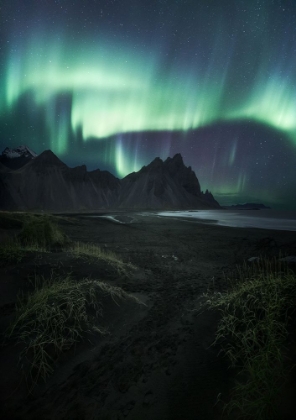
[
  {"x": 247, "y": 206},
  {"x": 44, "y": 182}
]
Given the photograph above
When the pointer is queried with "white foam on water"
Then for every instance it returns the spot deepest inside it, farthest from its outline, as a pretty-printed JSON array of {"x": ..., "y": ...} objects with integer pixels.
[{"x": 259, "y": 219}]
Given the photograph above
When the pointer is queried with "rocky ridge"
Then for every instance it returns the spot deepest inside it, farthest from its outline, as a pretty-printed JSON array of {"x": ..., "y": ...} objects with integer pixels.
[
  {"x": 164, "y": 184},
  {"x": 44, "y": 182}
]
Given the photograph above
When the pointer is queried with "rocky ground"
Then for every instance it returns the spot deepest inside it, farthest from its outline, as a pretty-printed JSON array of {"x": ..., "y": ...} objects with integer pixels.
[{"x": 157, "y": 362}]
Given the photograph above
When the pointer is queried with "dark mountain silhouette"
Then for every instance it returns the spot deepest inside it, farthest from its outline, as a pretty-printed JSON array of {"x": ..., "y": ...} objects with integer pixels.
[
  {"x": 3, "y": 168},
  {"x": 244, "y": 156},
  {"x": 168, "y": 184},
  {"x": 247, "y": 206},
  {"x": 46, "y": 183}
]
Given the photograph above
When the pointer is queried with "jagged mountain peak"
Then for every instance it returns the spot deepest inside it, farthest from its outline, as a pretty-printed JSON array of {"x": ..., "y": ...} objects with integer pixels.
[
  {"x": 164, "y": 184},
  {"x": 177, "y": 158},
  {"x": 48, "y": 183},
  {"x": 17, "y": 157},
  {"x": 176, "y": 164},
  {"x": 172, "y": 163},
  {"x": 156, "y": 163},
  {"x": 18, "y": 152},
  {"x": 49, "y": 158}
]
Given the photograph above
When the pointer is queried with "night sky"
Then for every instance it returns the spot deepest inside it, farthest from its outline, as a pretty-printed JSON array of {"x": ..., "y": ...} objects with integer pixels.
[{"x": 114, "y": 83}]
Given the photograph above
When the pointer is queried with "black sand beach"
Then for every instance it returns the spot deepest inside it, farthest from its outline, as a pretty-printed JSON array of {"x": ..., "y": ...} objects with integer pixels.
[{"x": 157, "y": 362}]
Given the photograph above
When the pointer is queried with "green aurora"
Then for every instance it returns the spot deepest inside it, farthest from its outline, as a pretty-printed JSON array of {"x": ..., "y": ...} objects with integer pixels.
[
  {"x": 229, "y": 64},
  {"x": 114, "y": 90}
]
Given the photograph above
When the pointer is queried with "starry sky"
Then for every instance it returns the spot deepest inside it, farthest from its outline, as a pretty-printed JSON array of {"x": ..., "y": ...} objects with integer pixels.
[{"x": 114, "y": 83}]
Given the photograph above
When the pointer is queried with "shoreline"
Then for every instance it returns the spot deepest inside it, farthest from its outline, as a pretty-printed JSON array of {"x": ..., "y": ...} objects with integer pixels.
[
  {"x": 230, "y": 218},
  {"x": 158, "y": 362}
]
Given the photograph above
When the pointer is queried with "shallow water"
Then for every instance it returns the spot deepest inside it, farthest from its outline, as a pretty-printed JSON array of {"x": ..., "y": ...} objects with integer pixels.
[{"x": 262, "y": 219}]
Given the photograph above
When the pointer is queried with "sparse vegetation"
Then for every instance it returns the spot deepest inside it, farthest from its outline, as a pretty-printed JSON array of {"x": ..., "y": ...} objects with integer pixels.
[
  {"x": 41, "y": 232},
  {"x": 86, "y": 250},
  {"x": 38, "y": 234},
  {"x": 11, "y": 252},
  {"x": 252, "y": 332},
  {"x": 56, "y": 315},
  {"x": 60, "y": 311}
]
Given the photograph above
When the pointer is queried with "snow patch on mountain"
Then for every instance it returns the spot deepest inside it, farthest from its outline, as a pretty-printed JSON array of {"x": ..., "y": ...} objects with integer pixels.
[{"x": 21, "y": 151}]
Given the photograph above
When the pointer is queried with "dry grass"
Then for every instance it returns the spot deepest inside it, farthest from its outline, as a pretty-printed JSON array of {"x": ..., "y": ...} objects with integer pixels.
[
  {"x": 252, "y": 332},
  {"x": 38, "y": 234},
  {"x": 59, "y": 313},
  {"x": 93, "y": 252},
  {"x": 41, "y": 231},
  {"x": 11, "y": 252}
]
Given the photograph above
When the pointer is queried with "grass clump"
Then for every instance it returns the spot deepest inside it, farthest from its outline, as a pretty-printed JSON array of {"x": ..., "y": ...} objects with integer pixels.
[
  {"x": 41, "y": 232},
  {"x": 57, "y": 315},
  {"x": 38, "y": 234},
  {"x": 11, "y": 252},
  {"x": 252, "y": 332},
  {"x": 91, "y": 251}
]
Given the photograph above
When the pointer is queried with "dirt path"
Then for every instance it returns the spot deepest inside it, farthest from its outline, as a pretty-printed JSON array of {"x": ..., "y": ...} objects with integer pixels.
[{"x": 157, "y": 363}]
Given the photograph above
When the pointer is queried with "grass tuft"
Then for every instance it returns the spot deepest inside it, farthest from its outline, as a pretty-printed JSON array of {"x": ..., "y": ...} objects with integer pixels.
[
  {"x": 11, "y": 252},
  {"x": 252, "y": 332},
  {"x": 41, "y": 232},
  {"x": 57, "y": 315},
  {"x": 91, "y": 251}
]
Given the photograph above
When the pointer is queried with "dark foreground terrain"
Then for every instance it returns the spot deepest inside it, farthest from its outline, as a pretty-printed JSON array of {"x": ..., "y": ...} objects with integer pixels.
[{"x": 157, "y": 363}]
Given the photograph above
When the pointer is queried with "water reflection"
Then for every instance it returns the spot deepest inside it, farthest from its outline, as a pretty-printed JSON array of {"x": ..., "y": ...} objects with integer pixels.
[{"x": 262, "y": 219}]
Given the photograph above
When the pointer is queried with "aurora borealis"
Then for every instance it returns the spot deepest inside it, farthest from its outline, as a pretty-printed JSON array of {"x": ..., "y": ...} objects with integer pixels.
[{"x": 115, "y": 83}]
